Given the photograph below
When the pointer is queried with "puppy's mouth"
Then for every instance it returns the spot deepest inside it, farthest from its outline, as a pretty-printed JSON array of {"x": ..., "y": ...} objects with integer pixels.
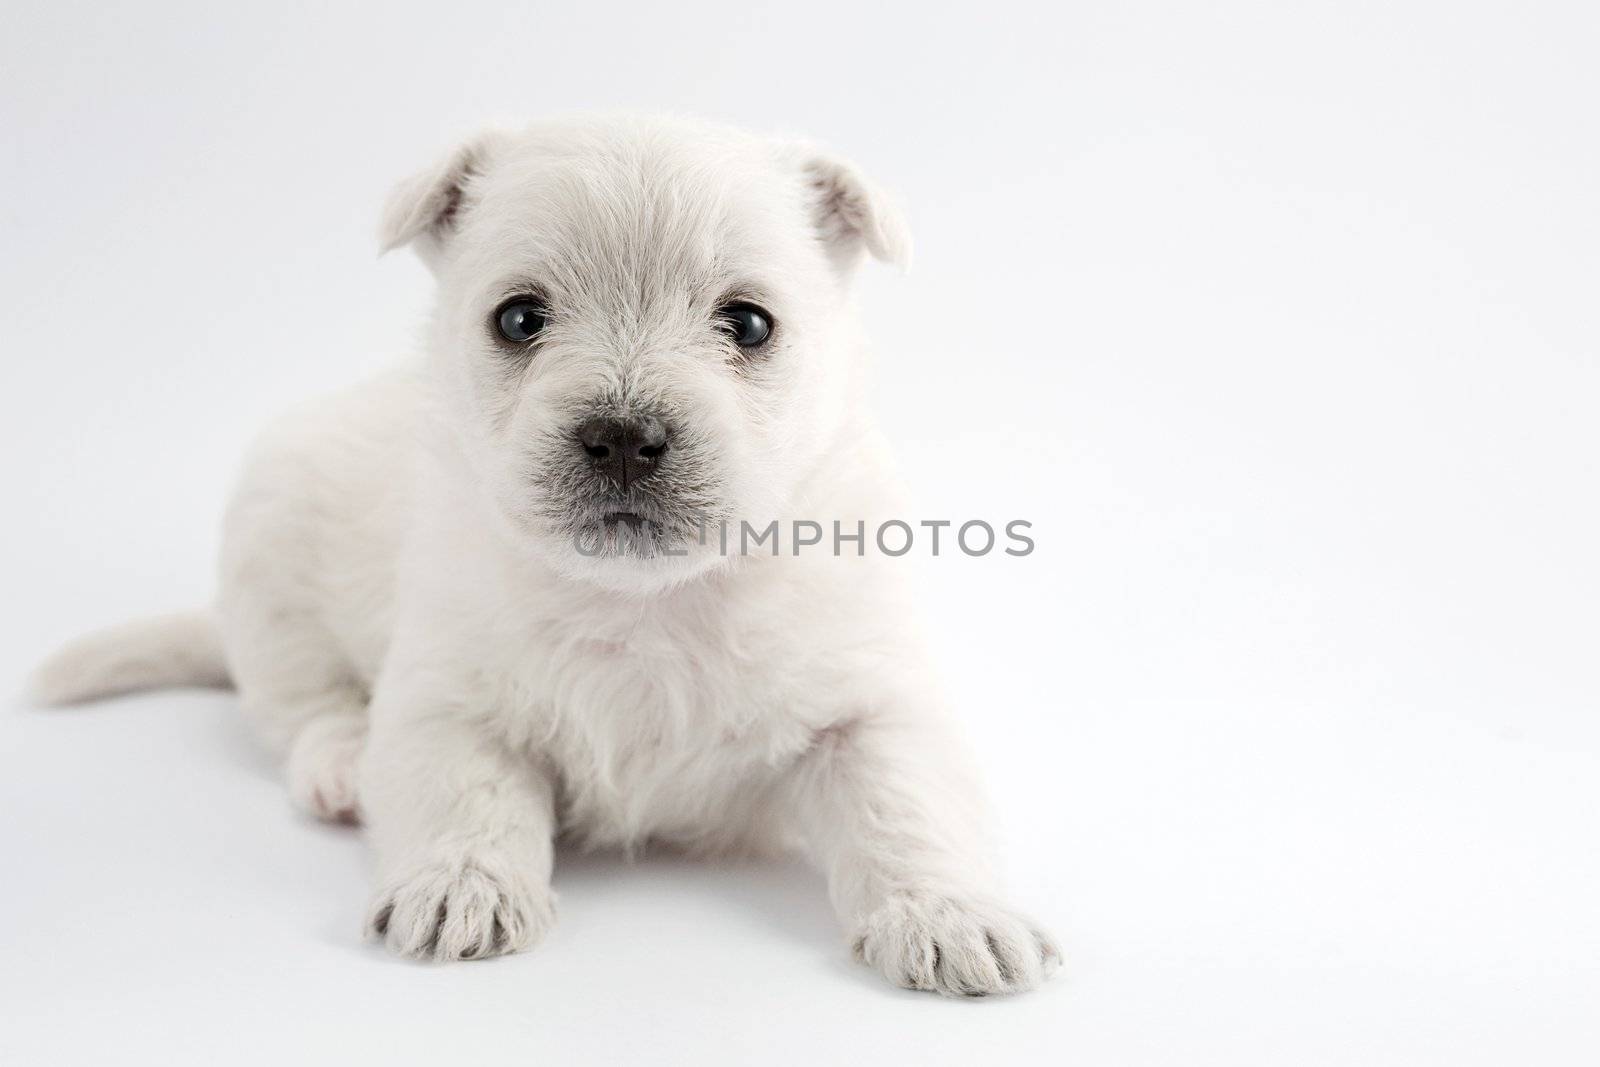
[
  {"x": 632, "y": 527},
  {"x": 630, "y": 519},
  {"x": 667, "y": 514}
]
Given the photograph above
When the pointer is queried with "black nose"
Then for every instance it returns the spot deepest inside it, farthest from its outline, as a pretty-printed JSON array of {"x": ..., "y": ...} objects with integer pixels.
[{"x": 625, "y": 450}]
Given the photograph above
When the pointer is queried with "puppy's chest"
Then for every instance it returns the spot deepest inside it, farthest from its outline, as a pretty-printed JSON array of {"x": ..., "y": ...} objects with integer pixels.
[{"x": 657, "y": 733}]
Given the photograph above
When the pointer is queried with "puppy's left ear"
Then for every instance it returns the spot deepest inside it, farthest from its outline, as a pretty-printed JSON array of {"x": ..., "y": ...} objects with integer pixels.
[
  {"x": 851, "y": 213},
  {"x": 425, "y": 209}
]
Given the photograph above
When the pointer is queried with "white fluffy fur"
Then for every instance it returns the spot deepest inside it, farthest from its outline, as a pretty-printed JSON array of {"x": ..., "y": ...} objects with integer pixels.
[{"x": 408, "y": 623}]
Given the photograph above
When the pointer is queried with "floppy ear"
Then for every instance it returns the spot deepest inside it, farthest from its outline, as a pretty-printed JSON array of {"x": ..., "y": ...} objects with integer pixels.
[
  {"x": 852, "y": 213},
  {"x": 423, "y": 210}
]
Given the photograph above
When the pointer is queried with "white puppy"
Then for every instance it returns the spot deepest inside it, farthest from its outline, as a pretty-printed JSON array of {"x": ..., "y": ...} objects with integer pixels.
[{"x": 474, "y": 605}]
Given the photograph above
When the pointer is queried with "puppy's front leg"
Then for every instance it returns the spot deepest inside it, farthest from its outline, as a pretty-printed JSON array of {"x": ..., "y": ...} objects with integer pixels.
[
  {"x": 887, "y": 809},
  {"x": 464, "y": 832}
]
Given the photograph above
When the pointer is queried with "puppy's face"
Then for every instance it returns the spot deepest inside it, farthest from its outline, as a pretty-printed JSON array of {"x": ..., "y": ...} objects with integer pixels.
[{"x": 642, "y": 332}]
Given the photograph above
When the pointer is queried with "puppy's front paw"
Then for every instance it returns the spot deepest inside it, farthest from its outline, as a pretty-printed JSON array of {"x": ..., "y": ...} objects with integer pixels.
[
  {"x": 460, "y": 911},
  {"x": 955, "y": 945}
]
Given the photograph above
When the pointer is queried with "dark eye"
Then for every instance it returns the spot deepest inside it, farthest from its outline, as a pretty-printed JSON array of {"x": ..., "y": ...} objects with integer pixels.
[
  {"x": 747, "y": 324},
  {"x": 520, "y": 319}
]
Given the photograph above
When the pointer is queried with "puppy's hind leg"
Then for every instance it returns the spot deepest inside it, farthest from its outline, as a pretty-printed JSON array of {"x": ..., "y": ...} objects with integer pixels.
[
  {"x": 299, "y": 693},
  {"x": 321, "y": 769}
]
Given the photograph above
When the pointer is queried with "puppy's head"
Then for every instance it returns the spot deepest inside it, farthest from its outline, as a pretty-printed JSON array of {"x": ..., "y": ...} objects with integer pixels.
[{"x": 643, "y": 330}]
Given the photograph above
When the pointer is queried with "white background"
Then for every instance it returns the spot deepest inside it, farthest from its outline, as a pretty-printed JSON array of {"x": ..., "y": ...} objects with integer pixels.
[{"x": 1277, "y": 320}]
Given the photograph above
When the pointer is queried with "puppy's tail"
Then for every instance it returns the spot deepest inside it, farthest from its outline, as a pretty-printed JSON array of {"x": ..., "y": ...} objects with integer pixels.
[{"x": 168, "y": 650}]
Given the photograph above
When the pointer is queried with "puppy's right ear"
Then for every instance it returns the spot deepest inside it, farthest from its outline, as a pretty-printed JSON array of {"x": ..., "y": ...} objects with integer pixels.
[{"x": 424, "y": 209}]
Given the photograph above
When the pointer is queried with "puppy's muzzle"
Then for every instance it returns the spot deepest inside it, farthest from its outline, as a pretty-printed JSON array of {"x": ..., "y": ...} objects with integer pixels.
[{"x": 625, "y": 450}]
